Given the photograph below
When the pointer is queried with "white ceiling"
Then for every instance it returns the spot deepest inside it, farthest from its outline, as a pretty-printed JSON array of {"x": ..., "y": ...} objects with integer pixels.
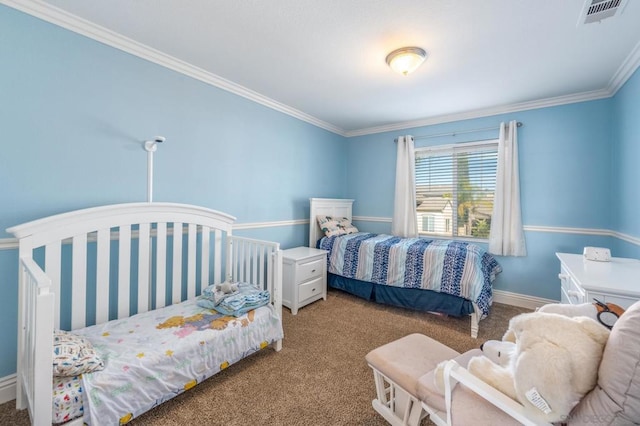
[{"x": 324, "y": 60}]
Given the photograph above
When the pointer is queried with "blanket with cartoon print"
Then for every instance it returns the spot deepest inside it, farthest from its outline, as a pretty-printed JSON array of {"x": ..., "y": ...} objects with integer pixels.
[{"x": 154, "y": 356}]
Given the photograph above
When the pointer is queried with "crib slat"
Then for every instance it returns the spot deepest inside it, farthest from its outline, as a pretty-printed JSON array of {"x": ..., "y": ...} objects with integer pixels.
[
  {"x": 161, "y": 264},
  {"x": 270, "y": 273},
  {"x": 191, "y": 260},
  {"x": 176, "y": 282},
  {"x": 240, "y": 246},
  {"x": 124, "y": 270},
  {"x": 217, "y": 268},
  {"x": 143, "y": 267},
  {"x": 103, "y": 256},
  {"x": 254, "y": 263},
  {"x": 53, "y": 255},
  {"x": 79, "y": 281},
  {"x": 242, "y": 259},
  {"x": 204, "y": 258},
  {"x": 261, "y": 267}
]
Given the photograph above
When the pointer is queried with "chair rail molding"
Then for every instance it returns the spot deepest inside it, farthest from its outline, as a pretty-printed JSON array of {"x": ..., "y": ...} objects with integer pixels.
[{"x": 12, "y": 243}]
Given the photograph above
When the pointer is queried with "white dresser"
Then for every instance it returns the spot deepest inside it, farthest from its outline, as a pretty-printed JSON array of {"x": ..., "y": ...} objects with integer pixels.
[
  {"x": 583, "y": 280},
  {"x": 304, "y": 277}
]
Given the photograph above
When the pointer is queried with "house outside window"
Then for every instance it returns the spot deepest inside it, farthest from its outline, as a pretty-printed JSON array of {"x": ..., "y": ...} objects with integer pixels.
[{"x": 455, "y": 188}]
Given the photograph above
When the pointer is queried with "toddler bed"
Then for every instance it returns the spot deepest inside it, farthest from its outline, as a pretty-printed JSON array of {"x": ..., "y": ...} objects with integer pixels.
[
  {"x": 442, "y": 276},
  {"x": 126, "y": 280}
]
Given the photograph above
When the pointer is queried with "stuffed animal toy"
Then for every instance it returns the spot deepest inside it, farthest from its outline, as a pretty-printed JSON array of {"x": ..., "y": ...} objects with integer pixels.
[
  {"x": 546, "y": 361},
  {"x": 227, "y": 287},
  {"x": 498, "y": 351}
]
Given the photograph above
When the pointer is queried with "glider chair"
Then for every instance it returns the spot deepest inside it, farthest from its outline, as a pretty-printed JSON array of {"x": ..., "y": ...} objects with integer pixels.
[{"x": 404, "y": 378}]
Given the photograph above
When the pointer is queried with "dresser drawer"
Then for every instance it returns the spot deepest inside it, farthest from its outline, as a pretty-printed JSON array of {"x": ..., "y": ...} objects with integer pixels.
[
  {"x": 309, "y": 270},
  {"x": 310, "y": 289},
  {"x": 570, "y": 291}
]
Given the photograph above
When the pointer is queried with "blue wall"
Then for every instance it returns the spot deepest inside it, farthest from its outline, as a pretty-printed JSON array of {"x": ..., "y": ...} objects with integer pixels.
[
  {"x": 626, "y": 177},
  {"x": 568, "y": 164},
  {"x": 74, "y": 113}
]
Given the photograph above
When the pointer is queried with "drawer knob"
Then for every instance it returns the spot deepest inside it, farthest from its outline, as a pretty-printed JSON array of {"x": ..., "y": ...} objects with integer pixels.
[
  {"x": 313, "y": 270},
  {"x": 563, "y": 276},
  {"x": 313, "y": 289}
]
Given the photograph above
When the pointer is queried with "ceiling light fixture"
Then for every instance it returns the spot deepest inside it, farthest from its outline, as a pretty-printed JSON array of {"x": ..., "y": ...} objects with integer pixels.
[{"x": 406, "y": 59}]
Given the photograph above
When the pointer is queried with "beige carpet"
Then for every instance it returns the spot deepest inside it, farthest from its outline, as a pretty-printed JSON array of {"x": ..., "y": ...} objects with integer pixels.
[{"x": 319, "y": 378}]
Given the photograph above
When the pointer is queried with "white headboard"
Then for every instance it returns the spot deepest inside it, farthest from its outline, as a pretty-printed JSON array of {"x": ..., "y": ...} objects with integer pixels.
[{"x": 327, "y": 207}]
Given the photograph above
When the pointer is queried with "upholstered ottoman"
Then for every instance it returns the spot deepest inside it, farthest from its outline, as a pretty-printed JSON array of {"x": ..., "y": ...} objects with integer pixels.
[{"x": 397, "y": 368}]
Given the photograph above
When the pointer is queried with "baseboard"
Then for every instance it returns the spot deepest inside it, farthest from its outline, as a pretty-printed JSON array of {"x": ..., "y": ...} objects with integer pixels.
[
  {"x": 520, "y": 300},
  {"x": 7, "y": 388}
]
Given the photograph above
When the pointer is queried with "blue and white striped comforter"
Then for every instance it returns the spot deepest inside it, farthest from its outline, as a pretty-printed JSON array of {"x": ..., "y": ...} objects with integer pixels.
[{"x": 453, "y": 267}]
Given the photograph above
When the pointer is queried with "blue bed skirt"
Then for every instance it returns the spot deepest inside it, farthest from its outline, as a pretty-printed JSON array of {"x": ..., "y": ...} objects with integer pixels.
[{"x": 412, "y": 298}]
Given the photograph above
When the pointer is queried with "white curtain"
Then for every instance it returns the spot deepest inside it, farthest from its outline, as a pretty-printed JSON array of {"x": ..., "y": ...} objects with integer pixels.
[
  {"x": 507, "y": 235},
  {"x": 405, "y": 223}
]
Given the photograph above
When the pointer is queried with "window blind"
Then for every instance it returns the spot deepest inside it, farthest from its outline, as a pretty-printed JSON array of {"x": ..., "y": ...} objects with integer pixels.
[{"x": 455, "y": 187}]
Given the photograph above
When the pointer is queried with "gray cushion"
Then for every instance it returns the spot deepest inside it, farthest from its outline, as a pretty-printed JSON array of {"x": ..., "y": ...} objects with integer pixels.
[{"x": 616, "y": 398}]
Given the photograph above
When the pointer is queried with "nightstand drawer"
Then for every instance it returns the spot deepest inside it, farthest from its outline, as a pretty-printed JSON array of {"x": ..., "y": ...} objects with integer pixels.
[
  {"x": 309, "y": 270},
  {"x": 310, "y": 289}
]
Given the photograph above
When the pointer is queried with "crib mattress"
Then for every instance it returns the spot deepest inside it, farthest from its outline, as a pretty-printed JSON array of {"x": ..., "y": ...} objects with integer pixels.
[
  {"x": 67, "y": 398},
  {"x": 154, "y": 356}
]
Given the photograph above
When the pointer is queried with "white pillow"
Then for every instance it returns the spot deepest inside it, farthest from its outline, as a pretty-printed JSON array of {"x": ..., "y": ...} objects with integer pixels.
[
  {"x": 73, "y": 355},
  {"x": 335, "y": 225}
]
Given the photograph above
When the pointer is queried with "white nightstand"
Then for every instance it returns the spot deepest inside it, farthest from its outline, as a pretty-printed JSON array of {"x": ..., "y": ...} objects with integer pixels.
[
  {"x": 582, "y": 280},
  {"x": 304, "y": 277}
]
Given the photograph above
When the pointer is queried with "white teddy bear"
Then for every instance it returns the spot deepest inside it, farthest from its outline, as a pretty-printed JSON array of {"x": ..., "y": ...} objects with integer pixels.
[{"x": 546, "y": 361}]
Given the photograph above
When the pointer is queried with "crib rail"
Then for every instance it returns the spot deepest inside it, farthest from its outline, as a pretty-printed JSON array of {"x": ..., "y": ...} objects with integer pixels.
[
  {"x": 115, "y": 261},
  {"x": 35, "y": 340},
  {"x": 256, "y": 262}
]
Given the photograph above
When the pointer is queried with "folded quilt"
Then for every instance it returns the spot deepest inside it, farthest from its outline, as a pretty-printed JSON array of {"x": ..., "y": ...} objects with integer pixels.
[{"x": 238, "y": 303}]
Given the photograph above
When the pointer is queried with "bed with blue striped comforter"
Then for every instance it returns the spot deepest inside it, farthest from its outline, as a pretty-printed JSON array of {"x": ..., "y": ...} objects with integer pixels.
[{"x": 454, "y": 267}]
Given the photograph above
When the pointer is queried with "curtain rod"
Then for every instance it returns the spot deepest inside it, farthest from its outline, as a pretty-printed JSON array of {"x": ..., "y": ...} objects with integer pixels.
[{"x": 518, "y": 124}]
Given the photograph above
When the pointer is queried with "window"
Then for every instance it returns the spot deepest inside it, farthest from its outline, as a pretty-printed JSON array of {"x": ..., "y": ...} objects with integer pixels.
[
  {"x": 455, "y": 187},
  {"x": 427, "y": 223}
]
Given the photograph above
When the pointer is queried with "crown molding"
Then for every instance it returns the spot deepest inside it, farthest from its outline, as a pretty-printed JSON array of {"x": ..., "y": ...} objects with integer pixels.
[
  {"x": 626, "y": 70},
  {"x": 89, "y": 29},
  {"x": 103, "y": 35},
  {"x": 486, "y": 112}
]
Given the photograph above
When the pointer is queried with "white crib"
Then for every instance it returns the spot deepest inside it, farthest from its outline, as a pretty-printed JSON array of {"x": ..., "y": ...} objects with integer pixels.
[{"x": 68, "y": 259}]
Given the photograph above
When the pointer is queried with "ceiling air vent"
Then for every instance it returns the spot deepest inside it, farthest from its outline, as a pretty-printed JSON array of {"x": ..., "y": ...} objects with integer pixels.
[{"x": 597, "y": 10}]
